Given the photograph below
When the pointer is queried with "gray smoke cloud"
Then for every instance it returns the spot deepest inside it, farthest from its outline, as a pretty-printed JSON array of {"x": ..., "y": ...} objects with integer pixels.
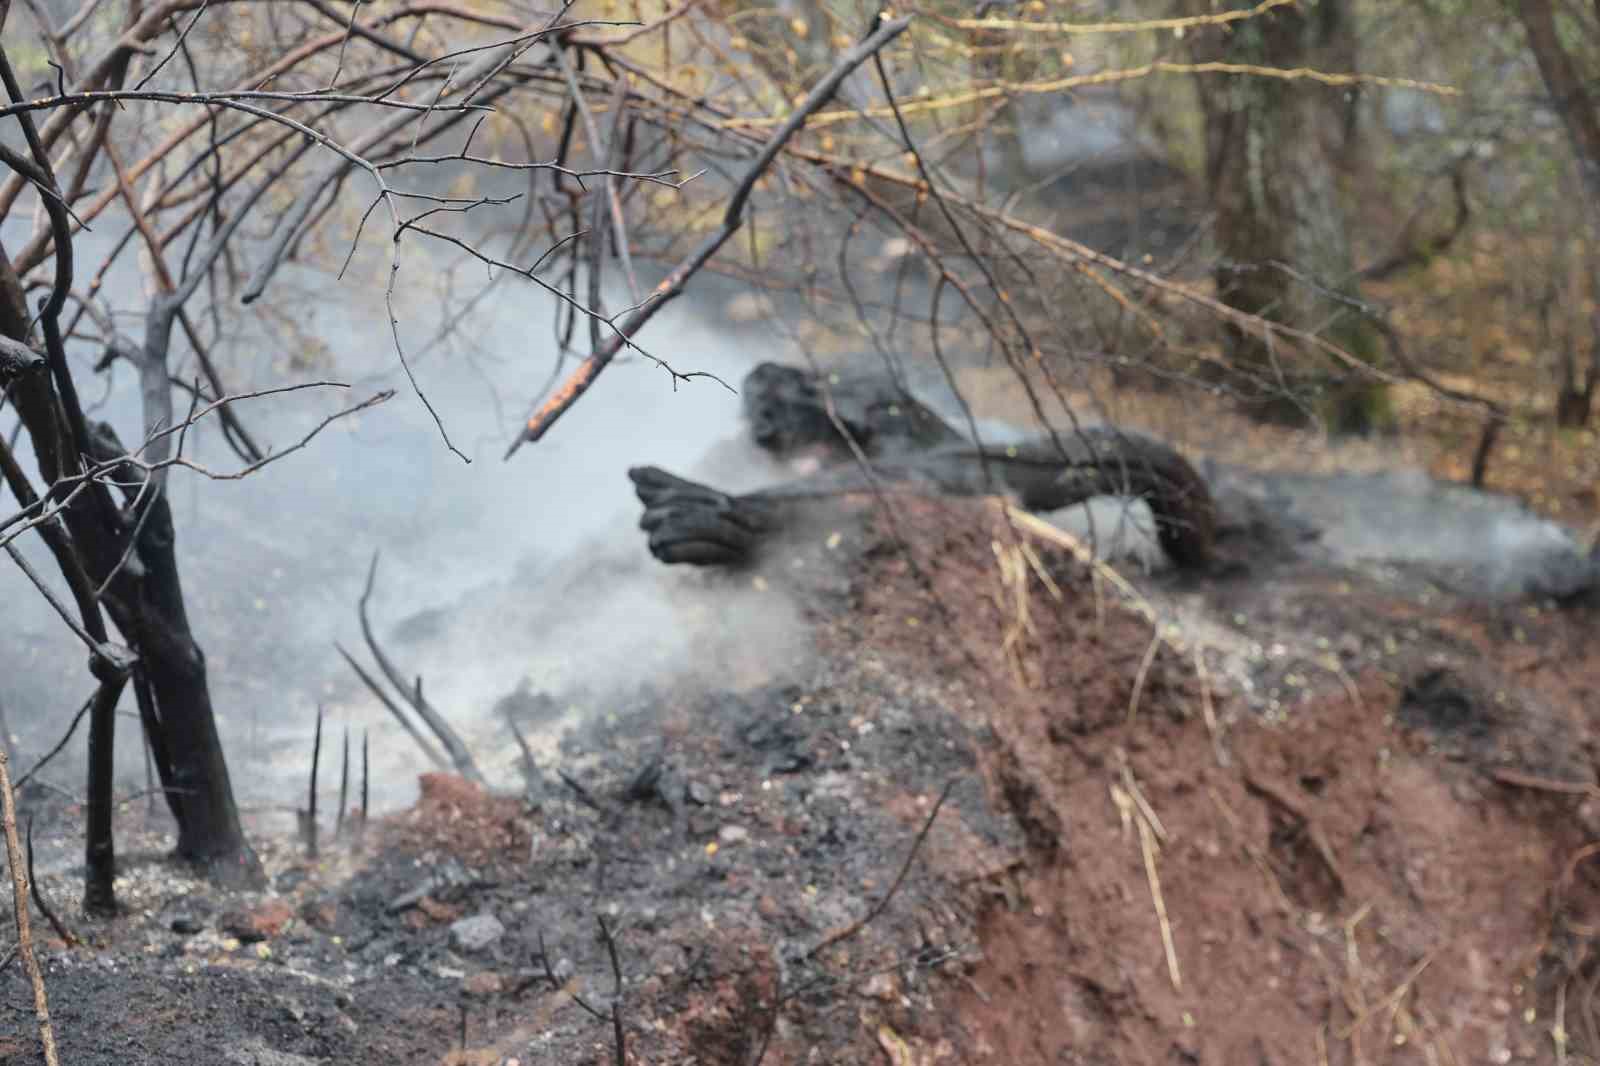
[{"x": 492, "y": 572}]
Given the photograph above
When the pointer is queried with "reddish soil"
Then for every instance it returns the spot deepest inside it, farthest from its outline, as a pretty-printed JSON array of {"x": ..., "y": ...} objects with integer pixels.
[
  {"x": 1392, "y": 872},
  {"x": 1374, "y": 852}
]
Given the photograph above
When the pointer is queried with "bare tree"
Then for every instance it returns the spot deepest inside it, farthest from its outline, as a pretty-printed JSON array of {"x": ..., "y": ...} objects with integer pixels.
[
  {"x": 1570, "y": 76},
  {"x": 611, "y": 183},
  {"x": 1281, "y": 229},
  {"x": 330, "y": 96},
  {"x": 102, "y": 509}
]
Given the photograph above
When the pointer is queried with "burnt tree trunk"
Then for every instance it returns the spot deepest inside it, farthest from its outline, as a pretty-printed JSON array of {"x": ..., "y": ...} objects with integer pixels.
[
  {"x": 145, "y": 601},
  {"x": 1284, "y": 247},
  {"x": 154, "y": 620}
]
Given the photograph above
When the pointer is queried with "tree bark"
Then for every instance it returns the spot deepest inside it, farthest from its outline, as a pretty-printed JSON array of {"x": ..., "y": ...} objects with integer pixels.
[
  {"x": 1569, "y": 90},
  {"x": 1570, "y": 93},
  {"x": 1281, "y": 228},
  {"x": 145, "y": 602}
]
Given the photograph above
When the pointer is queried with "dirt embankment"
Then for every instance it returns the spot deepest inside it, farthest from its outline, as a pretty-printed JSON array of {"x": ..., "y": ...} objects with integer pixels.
[
  {"x": 1316, "y": 821},
  {"x": 1379, "y": 862}
]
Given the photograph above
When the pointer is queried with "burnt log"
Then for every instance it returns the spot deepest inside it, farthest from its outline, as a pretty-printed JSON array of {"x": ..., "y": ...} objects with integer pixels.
[{"x": 908, "y": 447}]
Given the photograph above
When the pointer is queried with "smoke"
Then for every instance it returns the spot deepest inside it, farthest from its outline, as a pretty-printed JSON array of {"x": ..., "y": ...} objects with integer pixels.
[
  {"x": 492, "y": 572},
  {"x": 1478, "y": 543}
]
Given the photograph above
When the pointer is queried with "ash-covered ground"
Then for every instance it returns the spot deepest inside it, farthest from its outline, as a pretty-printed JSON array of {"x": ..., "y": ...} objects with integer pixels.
[{"x": 1318, "y": 816}]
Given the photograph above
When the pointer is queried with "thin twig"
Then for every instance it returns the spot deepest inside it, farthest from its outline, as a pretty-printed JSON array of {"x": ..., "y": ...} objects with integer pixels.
[
  {"x": 1144, "y": 671},
  {"x": 39, "y": 901},
  {"x": 72, "y": 727},
  {"x": 311, "y": 802},
  {"x": 19, "y": 896},
  {"x": 1208, "y": 710},
  {"x": 361, "y": 826},
  {"x": 619, "y": 1039},
  {"x": 672, "y": 285},
  {"x": 1147, "y": 847},
  {"x": 344, "y": 783},
  {"x": 855, "y": 927}
]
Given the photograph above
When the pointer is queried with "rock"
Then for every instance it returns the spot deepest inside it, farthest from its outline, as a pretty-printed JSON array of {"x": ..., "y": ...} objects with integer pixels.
[
  {"x": 697, "y": 793},
  {"x": 485, "y": 984},
  {"x": 439, "y": 912},
  {"x": 477, "y": 933},
  {"x": 883, "y": 986},
  {"x": 186, "y": 924},
  {"x": 321, "y": 913},
  {"x": 266, "y": 919},
  {"x": 447, "y": 877},
  {"x": 733, "y": 834},
  {"x": 255, "y": 1051}
]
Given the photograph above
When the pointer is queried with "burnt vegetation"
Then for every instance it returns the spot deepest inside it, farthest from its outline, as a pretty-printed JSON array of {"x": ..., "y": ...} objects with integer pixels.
[{"x": 1326, "y": 233}]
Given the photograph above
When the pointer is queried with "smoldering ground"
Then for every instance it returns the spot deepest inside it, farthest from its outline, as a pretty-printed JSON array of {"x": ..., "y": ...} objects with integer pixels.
[{"x": 492, "y": 572}]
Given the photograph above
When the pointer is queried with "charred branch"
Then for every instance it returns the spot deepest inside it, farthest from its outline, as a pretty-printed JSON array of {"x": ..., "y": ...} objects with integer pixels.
[
  {"x": 39, "y": 901},
  {"x": 344, "y": 783},
  {"x": 100, "y": 859},
  {"x": 427, "y": 746},
  {"x": 459, "y": 755},
  {"x": 672, "y": 286},
  {"x": 311, "y": 799}
]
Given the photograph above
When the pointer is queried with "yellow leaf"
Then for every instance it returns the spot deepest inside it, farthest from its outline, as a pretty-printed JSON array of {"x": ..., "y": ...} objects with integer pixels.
[{"x": 895, "y": 1047}]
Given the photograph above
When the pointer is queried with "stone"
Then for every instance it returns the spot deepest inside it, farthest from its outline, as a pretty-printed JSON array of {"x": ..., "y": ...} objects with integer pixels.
[
  {"x": 186, "y": 924},
  {"x": 484, "y": 984},
  {"x": 265, "y": 920},
  {"x": 477, "y": 933},
  {"x": 321, "y": 913},
  {"x": 254, "y": 1051}
]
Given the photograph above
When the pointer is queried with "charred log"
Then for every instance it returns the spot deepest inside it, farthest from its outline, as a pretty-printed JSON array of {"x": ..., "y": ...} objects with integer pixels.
[{"x": 912, "y": 450}]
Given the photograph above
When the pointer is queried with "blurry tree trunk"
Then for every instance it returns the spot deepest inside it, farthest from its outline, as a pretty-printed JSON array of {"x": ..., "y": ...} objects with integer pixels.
[
  {"x": 1002, "y": 125},
  {"x": 1572, "y": 92},
  {"x": 1283, "y": 241}
]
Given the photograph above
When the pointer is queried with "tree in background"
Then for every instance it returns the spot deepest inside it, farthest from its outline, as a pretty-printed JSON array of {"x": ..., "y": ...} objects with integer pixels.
[
  {"x": 1283, "y": 236},
  {"x": 1567, "y": 51}
]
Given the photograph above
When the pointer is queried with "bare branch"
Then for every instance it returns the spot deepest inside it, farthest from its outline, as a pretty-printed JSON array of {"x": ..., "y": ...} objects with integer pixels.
[
  {"x": 433, "y": 754},
  {"x": 413, "y": 694},
  {"x": 877, "y": 908},
  {"x": 19, "y": 899},
  {"x": 561, "y": 401}
]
